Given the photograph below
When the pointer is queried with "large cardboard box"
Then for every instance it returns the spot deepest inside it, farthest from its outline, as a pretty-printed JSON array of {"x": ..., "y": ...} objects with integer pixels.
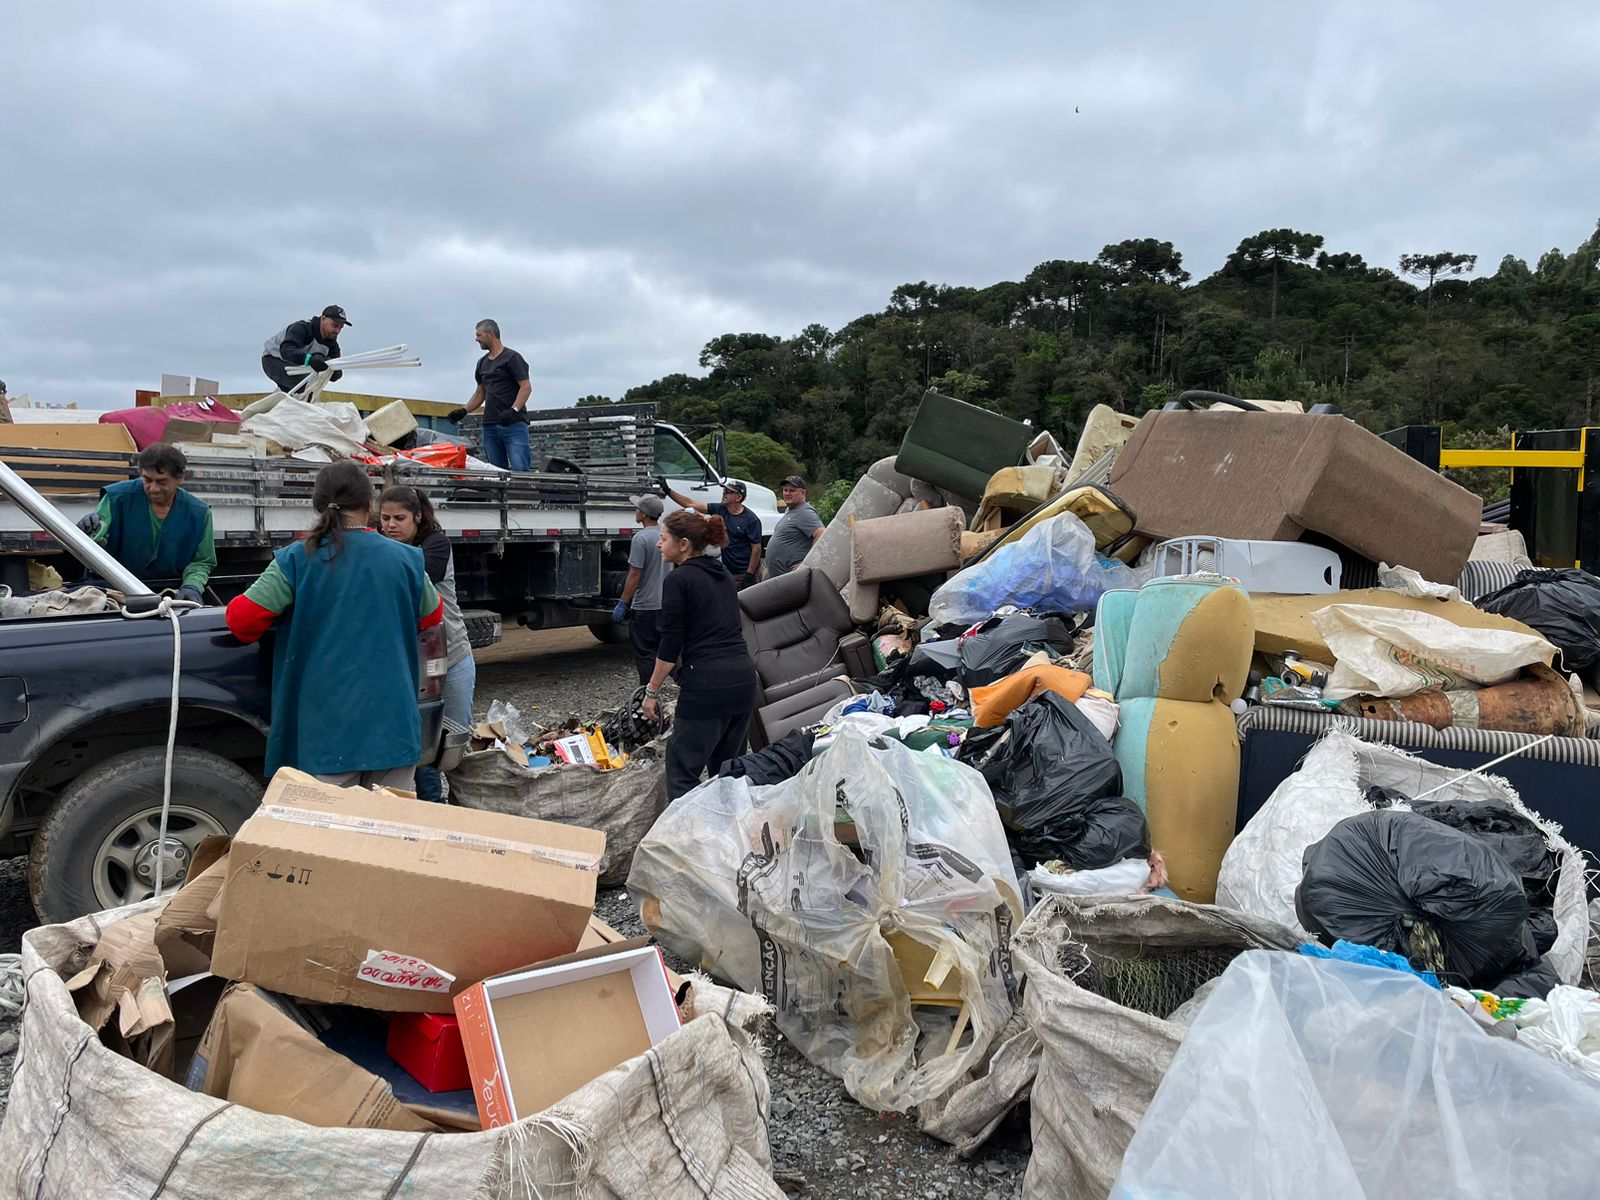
[
  {"x": 348, "y": 896},
  {"x": 64, "y": 474},
  {"x": 1276, "y": 476},
  {"x": 536, "y": 1035}
]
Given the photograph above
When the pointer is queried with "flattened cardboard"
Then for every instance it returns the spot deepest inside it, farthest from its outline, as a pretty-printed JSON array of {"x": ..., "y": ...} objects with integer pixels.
[
  {"x": 255, "y": 1053},
  {"x": 125, "y": 979},
  {"x": 186, "y": 927},
  {"x": 67, "y": 437},
  {"x": 321, "y": 879},
  {"x": 534, "y": 1036}
]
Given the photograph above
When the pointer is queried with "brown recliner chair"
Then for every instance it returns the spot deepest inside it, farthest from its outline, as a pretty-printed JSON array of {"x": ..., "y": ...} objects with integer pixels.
[{"x": 799, "y": 631}]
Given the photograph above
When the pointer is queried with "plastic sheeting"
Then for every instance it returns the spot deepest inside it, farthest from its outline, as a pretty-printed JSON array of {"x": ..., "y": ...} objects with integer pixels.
[
  {"x": 1325, "y": 1080},
  {"x": 1051, "y": 568},
  {"x": 753, "y": 885},
  {"x": 295, "y": 425}
]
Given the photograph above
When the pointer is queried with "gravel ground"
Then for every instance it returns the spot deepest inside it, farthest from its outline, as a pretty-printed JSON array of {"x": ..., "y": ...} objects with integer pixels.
[{"x": 819, "y": 1135}]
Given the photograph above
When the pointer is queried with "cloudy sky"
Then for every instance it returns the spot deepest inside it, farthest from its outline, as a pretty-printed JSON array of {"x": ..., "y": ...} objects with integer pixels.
[{"x": 619, "y": 182}]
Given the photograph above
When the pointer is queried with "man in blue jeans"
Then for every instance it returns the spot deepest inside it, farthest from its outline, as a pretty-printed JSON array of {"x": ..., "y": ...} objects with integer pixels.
[{"x": 502, "y": 393}]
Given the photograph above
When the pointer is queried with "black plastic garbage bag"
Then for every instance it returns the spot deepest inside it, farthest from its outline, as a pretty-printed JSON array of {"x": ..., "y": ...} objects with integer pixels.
[
  {"x": 1563, "y": 605},
  {"x": 1516, "y": 838},
  {"x": 1441, "y": 897},
  {"x": 1531, "y": 983},
  {"x": 1004, "y": 645},
  {"x": 1059, "y": 789}
]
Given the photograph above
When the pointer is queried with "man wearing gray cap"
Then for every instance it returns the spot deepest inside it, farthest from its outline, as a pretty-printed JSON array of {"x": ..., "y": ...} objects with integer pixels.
[{"x": 641, "y": 593}]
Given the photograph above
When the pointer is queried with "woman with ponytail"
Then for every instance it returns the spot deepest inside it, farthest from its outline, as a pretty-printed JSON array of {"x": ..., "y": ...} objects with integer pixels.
[
  {"x": 702, "y": 635},
  {"x": 346, "y": 603}
]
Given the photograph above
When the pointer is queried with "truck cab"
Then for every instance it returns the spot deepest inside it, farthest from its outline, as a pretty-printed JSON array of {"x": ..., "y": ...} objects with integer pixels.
[{"x": 691, "y": 474}]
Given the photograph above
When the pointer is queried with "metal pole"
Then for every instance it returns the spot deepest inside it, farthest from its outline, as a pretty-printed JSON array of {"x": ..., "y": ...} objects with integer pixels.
[{"x": 86, "y": 550}]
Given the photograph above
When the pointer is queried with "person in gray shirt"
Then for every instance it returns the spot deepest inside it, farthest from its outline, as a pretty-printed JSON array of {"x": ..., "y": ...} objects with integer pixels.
[
  {"x": 640, "y": 605},
  {"x": 798, "y": 529}
]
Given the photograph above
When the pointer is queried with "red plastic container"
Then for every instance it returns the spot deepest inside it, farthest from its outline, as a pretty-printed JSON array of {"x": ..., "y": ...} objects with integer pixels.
[{"x": 428, "y": 1046}]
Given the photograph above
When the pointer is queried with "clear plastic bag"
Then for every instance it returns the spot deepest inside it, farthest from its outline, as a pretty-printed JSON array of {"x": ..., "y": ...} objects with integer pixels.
[
  {"x": 753, "y": 885},
  {"x": 1051, "y": 568},
  {"x": 1326, "y": 1080}
]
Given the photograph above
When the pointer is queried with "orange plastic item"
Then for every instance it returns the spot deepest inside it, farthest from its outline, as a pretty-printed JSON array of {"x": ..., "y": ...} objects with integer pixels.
[
  {"x": 992, "y": 704},
  {"x": 445, "y": 455}
]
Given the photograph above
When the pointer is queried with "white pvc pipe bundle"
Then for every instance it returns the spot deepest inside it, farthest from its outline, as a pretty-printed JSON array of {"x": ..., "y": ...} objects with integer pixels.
[{"x": 389, "y": 356}]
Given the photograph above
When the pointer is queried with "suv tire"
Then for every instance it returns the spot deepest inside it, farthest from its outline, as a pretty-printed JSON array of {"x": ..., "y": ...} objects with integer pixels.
[{"x": 82, "y": 854}]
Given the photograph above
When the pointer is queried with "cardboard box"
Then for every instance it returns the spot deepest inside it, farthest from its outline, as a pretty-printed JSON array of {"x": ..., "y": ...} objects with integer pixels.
[
  {"x": 183, "y": 429},
  {"x": 428, "y": 1046},
  {"x": 359, "y": 897},
  {"x": 535, "y": 1035},
  {"x": 88, "y": 475},
  {"x": 257, "y": 1052}
]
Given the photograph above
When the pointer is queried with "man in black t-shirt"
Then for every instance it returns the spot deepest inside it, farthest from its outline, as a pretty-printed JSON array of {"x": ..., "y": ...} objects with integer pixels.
[
  {"x": 742, "y": 555},
  {"x": 502, "y": 393}
]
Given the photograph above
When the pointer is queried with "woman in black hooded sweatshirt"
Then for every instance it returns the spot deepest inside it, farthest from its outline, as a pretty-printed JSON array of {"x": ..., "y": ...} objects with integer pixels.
[{"x": 702, "y": 635}]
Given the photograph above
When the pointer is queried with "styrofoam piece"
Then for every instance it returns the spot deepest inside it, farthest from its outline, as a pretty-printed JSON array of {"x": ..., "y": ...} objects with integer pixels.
[
  {"x": 1288, "y": 568},
  {"x": 391, "y": 423}
]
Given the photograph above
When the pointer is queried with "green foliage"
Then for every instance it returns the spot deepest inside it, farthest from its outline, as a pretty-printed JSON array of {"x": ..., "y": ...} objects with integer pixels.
[
  {"x": 828, "y": 501},
  {"x": 754, "y": 456},
  {"x": 594, "y": 401},
  {"x": 1284, "y": 318},
  {"x": 1490, "y": 483},
  {"x": 1275, "y": 375}
]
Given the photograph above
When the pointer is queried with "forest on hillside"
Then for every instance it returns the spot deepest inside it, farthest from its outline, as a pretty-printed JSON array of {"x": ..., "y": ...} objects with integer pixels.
[{"x": 1435, "y": 339}]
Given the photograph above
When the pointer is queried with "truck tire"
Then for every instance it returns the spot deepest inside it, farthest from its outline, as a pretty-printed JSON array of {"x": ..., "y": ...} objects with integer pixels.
[
  {"x": 483, "y": 627},
  {"x": 98, "y": 838},
  {"x": 609, "y": 632}
]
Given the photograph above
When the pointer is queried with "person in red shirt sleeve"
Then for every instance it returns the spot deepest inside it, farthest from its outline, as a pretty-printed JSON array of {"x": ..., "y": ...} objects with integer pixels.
[{"x": 345, "y": 604}]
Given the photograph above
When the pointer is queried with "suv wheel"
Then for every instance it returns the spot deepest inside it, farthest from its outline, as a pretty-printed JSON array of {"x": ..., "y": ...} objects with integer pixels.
[{"x": 97, "y": 846}]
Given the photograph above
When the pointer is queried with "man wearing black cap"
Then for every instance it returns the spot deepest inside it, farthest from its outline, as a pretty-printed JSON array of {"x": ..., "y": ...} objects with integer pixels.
[
  {"x": 309, "y": 343},
  {"x": 742, "y": 555},
  {"x": 797, "y": 530}
]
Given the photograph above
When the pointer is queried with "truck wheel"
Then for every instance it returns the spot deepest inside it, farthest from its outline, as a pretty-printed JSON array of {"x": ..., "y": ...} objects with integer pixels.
[
  {"x": 96, "y": 847},
  {"x": 609, "y": 632},
  {"x": 483, "y": 627}
]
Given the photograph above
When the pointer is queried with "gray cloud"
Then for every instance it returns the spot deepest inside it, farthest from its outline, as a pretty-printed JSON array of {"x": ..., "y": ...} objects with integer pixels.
[{"x": 619, "y": 183}]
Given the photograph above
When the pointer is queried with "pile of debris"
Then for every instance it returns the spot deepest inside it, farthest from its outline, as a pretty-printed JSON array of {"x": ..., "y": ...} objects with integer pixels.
[
  {"x": 1006, "y": 682},
  {"x": 1103, "y": 783}
]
